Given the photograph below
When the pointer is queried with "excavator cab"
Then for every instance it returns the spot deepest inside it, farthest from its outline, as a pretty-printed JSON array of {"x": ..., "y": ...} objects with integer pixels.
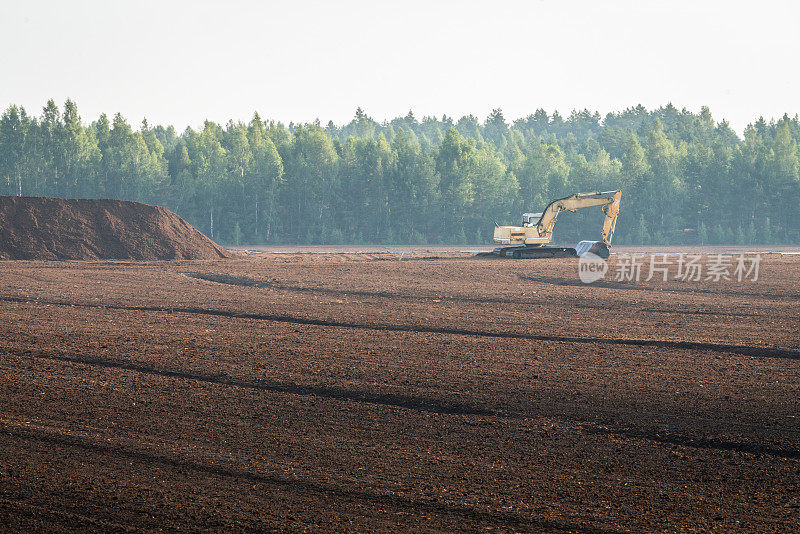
[{"x": 531, "y": 219}]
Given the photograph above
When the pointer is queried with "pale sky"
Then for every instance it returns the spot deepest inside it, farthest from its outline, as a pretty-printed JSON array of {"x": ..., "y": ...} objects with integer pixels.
[{"x": 180, "y": 62}]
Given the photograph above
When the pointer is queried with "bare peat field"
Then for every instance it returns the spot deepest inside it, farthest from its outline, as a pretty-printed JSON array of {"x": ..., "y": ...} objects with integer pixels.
[{"x": 395, "y": 391}]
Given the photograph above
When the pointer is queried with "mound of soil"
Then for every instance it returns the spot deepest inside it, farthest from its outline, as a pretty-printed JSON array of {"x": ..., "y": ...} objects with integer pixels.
[{"x": 34, "y": 228}]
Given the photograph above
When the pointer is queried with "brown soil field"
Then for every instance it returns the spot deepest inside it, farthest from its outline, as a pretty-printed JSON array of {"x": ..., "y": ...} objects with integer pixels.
[
  {"x": 426, "y": 249},
  {"x": 38, "y": 228},
  {"x": 411, "y": 391}
]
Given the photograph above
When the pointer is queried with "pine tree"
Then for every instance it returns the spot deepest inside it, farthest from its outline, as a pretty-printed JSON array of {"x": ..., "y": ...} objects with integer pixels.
[
  {"x": 702, "y": 234},
  {"x": 741, "y": 238},
  {"x": 750, "y": 234},
  {"x": 642, "y": 235},
  {"x": 766, "y": 232}
]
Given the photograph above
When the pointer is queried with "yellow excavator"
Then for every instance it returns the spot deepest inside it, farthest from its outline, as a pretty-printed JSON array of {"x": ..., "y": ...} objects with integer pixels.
[{"x": 531, "y": 239}]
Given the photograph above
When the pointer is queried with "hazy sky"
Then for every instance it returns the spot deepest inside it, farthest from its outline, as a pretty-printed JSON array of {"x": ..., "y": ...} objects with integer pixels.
[{"x": 182, "y": 62}]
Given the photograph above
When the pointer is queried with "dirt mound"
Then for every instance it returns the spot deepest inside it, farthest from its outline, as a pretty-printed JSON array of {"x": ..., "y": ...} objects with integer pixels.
[{"x": 33, "y": 228}]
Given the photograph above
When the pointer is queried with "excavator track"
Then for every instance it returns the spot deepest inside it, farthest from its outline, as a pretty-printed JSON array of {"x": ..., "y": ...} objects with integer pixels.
[{"x": 523, "y": 252}]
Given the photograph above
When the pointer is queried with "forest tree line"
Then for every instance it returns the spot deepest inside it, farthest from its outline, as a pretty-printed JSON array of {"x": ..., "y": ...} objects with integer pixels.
[{"x": 685, "y": 177}]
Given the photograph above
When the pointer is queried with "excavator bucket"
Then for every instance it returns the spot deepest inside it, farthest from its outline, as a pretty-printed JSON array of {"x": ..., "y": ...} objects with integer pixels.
[{"x": 598, "y": 248}]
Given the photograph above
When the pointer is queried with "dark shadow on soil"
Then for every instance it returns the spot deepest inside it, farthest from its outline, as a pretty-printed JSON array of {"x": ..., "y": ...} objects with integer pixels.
[
  {"x": 423, "y": 404},
  {"x": 386, "y": 399},
  {"x": 745, "y": 350},
  {"x": 697, "y": 443},
  {"x": 298, "y": 484}
]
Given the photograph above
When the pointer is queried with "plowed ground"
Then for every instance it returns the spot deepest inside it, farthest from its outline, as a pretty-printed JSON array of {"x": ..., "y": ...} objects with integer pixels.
[{"x": 374, "y": 392}]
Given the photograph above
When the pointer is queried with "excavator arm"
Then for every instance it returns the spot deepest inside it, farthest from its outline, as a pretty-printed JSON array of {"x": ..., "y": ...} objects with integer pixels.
[
  {"x": 608, "y": 199},
  {"x": 612, "y": 211}
]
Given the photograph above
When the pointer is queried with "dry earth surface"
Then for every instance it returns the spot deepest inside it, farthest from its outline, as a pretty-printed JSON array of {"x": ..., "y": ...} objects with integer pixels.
[
  {"x": 411, "y": 391},
  {"x": 39, "y": 228}
]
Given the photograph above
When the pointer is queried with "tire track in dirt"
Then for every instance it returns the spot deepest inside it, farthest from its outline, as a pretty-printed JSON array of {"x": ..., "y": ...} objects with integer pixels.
[
  {"x": 694, "y": 442},
  {"x": 608, "y": 284},
  {"x": 426, "y": 404},
  {"x": 422, "y": 404},
  {"x": 700, "y": 312},
  {"x": 243, "y": 281},
  {"x": 744, "y": 350},
  {"x": 71, "y": 521},
  {"x": 299, "y": 485}
]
